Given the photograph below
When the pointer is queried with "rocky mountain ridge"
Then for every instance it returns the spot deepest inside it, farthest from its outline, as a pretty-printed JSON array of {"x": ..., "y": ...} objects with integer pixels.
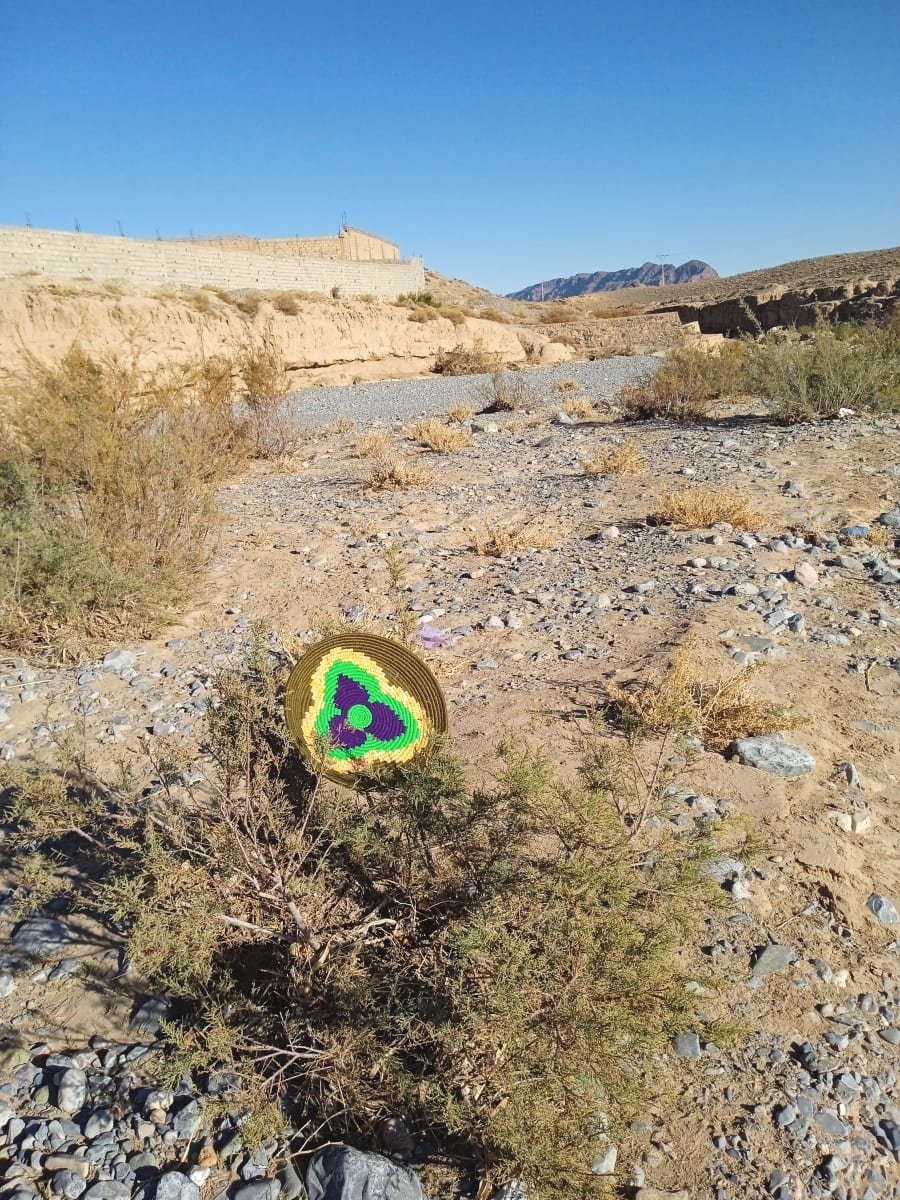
[{"x": 649, "y": 274}]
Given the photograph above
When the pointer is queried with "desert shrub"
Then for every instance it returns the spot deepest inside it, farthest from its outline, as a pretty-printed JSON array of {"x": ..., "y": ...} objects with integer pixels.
[
  {"x": 855, "y": 367},
  {"x": 460, "y": 414},
  {"x": 498, "y": 965},
  {"x": 342, "y": 424},
  {"x": 512, "y": 536},
  {"x": 201, "y": 300},
  {"x": 372, "y": 445},
  {"x": 578, "y": 406},
  {"x": 412, "y": 299},
  {"x": 567, "y": 339},
  {"x": 699, "y": 507},
  {"x": 564, "y": 386},
  {"x": 249, "y": 302},
  {"x": 265, "y": 385},
  {"x": 285, "y": 302},
  {"x": 454, "y": 313},
  {"x": 493, "y": 314},
  {"x": 615, "y": 460},
  {"x": 463, "y": 361},
  {"x": 715, "y": 710},
  {"x": 505, "y": 391},
  {"x": 395, "y": 472},
  {"x": 107, "y": 478},
  {"x": 437, "y": 436},
  {"x": 557, "y": 314},
  {"x": 681, "y": 389},
  {"x": 421, "y": 314}
]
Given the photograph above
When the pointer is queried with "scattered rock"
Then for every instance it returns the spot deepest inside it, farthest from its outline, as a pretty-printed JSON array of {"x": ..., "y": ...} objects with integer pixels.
[
  {"x": 40, "y": 937},
  {"x": 342, "y": 1173},
  {"x": 883, "y": 909},
  {"x": 773, "y": 958},
  {"x": 770, "y": 752}
]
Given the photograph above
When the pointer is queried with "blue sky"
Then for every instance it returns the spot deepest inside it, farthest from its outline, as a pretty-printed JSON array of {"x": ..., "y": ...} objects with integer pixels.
[{"x": 505, "y": 143}]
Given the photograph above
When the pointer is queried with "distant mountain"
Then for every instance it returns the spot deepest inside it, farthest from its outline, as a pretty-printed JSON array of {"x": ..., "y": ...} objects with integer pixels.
[{"x": 649, "y": 275}]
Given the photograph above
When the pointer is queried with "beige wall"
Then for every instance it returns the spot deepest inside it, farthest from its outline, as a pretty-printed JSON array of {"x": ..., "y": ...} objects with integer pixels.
[
  {"x": 68, "y": 255},
  {"x": 352, "y": 245}
]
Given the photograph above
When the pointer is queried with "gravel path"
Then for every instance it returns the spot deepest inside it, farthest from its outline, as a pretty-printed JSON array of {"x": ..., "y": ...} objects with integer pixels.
[{"x": 397, "y": 399}]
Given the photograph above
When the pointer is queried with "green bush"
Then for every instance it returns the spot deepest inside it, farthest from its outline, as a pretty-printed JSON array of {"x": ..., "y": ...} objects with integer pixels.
[
  {"x": 834, "y": 367},
  {"x": 494, "y": 965}
]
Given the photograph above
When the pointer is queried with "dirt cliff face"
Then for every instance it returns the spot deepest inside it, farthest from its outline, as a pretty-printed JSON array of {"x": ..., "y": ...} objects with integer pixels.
[{"x": 330, "y": 341}]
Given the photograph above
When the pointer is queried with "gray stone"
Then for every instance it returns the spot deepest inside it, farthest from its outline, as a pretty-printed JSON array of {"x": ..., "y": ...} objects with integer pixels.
[
  {"x": 342, "y": 1173},
  {"x": 605, "y": 1162},
  {"x": 175, "y": 1186},
  {"x": 119, "y": 660},
  {"x": 487, "y": 664},
  {"x": 891, "y": 1036},
  {"x": 108, "y": 1189},
  {"x": 151, "y": 1013},
  {"x": 186, "y": 1121},
  {"x": 770, "y": 752},
  {"x": 68, "y": 1184},
  {"x": 71, "y": 1092},
  {"x": 268, "y": 1189},
  {"x": 831, "y": 1125},
  {"x": 40, "y": 937},
  {"x": 891, "y": 519},
  {"x": 687, "y": 1045},
  {"x": 100, "y": 1121},
  {"x": 292, "y": 1186},
  {"x": 883, "y": 909},
  {"x": 773, "y": 958}
]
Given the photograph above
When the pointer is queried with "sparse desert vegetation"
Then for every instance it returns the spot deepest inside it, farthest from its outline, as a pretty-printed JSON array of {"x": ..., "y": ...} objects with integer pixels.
[
  {"x": 625, "y": 459},
  {"x": 396, "y": 472},
  {"x": 439, "y": 437},
  {"x": 509, "y": 537},
  {"x": 579, "y": 906},
  {"x": 699, "y": 507}
]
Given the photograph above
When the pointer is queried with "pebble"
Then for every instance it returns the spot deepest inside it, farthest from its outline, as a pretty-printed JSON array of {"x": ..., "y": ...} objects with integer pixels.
[
  {"x": 71, "y": 1091},
  {"x": 773, "y": 958},
  {"x": 687, "y": 1045},
  {"x": 175, "y": 1186},
  {"x": 605, "y": 1162},
  {"x": 883, "y": 909}
]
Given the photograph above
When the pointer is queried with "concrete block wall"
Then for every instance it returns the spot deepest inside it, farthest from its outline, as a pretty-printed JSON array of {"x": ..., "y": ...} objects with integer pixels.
[{"x": 152, "y": 264}]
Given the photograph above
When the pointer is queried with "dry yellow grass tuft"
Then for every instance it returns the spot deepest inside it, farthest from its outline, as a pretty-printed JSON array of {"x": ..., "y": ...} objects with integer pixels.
[
  {"x": 512, "y": 537},
  {"x": 372, "y": 445},
  {"x": 578, "y": 406},
  {"x": 717, "y": 711},
  {"x": 615, "y": 460},
  {"x": 701, "y": 507},
  {"x": 341, "y": 425},
  {"x": 565, "y": 385},
  {"x": 394, "y": 473},
  {"x": 459, "y": 414},
  {"x": 437, "y": 436}
]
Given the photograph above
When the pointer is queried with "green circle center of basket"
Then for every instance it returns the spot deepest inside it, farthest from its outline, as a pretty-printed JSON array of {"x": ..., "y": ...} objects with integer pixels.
[{"x": 359, "y": 716}]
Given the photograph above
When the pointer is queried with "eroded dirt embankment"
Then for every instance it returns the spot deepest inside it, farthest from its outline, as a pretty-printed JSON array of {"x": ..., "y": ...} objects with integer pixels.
[{"x": 326, "y": 340}]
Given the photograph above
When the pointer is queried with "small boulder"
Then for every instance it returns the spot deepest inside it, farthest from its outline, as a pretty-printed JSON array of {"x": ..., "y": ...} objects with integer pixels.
[
  {"x": 770, "y": 752},
  {"x": 343, "y": 1173}
]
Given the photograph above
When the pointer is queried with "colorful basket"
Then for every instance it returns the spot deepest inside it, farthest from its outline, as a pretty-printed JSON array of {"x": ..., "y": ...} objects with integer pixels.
[{"x": 357, "y": 703}]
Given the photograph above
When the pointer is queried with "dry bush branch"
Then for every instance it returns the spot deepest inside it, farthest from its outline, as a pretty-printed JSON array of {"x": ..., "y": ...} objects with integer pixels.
[
  {"x": 437, "y": 436},
  {"x": 396, "y": 473},
  {"x": 512, "y": 537},
  {"x": 699, "y": 507},
  {"x": 616, "y": 460}
]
